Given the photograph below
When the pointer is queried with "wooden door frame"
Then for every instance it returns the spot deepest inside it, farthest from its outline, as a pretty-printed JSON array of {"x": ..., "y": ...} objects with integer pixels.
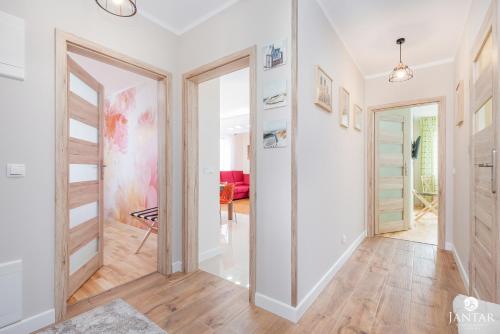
[
  {"x": 441, "y": 102},
  {"x": 68, "y": 42},
  {"x": 191, "y": 80}
]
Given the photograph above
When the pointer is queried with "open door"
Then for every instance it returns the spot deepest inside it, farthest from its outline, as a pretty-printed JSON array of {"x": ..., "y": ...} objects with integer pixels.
[
  {"x": 392, "y": 183},
  {"x": 85, "y": 176},
  {"x": 484, "y": 231}
]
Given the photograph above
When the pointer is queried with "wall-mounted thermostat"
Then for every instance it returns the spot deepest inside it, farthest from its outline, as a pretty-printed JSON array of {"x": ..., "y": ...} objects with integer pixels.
[{"x": 16, "y": 170}]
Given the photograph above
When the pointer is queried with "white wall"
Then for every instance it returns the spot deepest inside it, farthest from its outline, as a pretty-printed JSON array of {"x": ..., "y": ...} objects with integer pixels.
[
  {"x": 245, "y": 24},
  {"x": 461, "y": 135},
  {"x": 27, "y": 129},
  {"x": 208, "y": 177},
  {"x": 330, "y": 159},
  {"x": 236, "y": 152},
  {"x": 428, "y": 82}
]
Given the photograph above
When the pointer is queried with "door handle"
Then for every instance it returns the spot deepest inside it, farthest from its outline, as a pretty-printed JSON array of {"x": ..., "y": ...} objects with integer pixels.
[
  {"x": 102, "y": 170},
  {"x": 493, "y": 166}
]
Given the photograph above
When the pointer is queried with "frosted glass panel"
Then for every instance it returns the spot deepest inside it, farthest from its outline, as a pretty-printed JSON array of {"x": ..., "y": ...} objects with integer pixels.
[
  {"x": 483, "y": 118},
  {"x": 390, "y": 217},
  {"x": 391, "y": 194},
  {"x": 83, "y": 131},
  {"x": 83, "y": 255},
  {"x": 390, "y": 149},
  {"x": 485, "y": 56},
  {"x": 391, "y": 171},
  {"x": 391, "y": 127},
  {"x": 82, "y": 214},
  {"x": 83, "y": 90},
  {"x": 82, "y": 173}
]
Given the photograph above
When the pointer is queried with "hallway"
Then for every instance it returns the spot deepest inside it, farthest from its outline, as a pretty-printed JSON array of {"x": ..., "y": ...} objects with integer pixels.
[{"x": 387, "y": 286}]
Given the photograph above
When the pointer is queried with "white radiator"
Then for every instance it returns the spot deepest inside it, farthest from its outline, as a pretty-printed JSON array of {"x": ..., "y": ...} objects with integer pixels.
[{"x": 11, "y": 292}]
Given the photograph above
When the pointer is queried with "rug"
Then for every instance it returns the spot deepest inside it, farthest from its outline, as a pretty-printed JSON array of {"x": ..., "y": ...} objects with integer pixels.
[{"x": 117, "y": 317}]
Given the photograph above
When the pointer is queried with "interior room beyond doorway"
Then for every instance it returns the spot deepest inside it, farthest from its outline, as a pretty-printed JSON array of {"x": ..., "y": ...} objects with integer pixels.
[
  {"x": 408, "y": 152},
  {"x": 224, "y": 180}
]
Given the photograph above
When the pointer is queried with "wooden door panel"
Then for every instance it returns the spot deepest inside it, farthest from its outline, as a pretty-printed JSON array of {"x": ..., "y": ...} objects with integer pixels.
[
  {"x": 484, "y": 238},
  {"x": 391, "y": 181},
  {"x": 85, "y": 122}
]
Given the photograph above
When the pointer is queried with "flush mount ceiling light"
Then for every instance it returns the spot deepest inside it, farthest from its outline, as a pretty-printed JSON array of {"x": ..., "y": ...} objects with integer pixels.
[
  {"x": 123, "y": 8},
  {"x": 401, "y": 72}
]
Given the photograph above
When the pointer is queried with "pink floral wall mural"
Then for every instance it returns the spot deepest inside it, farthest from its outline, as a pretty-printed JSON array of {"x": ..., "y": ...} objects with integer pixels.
[{"x": 130, "y": 153}]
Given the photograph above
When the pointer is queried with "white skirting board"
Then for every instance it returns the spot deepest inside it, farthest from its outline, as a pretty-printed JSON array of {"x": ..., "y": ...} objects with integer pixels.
[
  {"x": 460, "y": 265},
  {"x": 295, "y": 313},
  {"x": 176, "y": 267},
  {"x": 31, "y": 324}
]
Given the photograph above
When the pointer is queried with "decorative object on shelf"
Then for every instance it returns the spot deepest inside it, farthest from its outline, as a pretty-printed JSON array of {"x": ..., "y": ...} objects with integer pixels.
[
  {"x": 274, "y": 55},
  {"x": 401, "y": 72},
  {"x": 344, "y": 107},
  {"x": 122, "y": 8},
  {"x": 275, "y": 94},
  {"x": 324, "y": 85},
  {"x": 358, "y": 117},
  {"x": 459, "y": 104},
  {"x": 275, "y": 134}
]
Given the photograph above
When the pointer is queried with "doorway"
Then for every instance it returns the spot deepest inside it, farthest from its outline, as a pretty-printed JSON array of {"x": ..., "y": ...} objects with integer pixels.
[
  {"x": 406, "y": 171},
  {"x": 84, "y": 228},
  {"x": 128, "y": 184},
  {"x": 197, "y": 84}
]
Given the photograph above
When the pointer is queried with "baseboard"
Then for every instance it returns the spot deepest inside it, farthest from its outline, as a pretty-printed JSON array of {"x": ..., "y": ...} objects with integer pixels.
[
  {"x": 461, "y": 268},
  {"x": 176, "y": 267},
  {"x": 208, "y": 254},
  {"x": 31, "y": 324},
  {"x": 295, "y": 313}
]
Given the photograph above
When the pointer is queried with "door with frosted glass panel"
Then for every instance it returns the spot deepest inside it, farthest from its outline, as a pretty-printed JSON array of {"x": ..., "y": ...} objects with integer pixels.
[
  {"x": 85, "y": 230},
  {"x": 392, "y": 154},
  {"x": 484, "y": 230}
]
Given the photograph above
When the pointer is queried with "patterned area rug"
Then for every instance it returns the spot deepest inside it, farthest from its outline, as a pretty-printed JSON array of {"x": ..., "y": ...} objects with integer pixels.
[{"x": 116, "y": 317}]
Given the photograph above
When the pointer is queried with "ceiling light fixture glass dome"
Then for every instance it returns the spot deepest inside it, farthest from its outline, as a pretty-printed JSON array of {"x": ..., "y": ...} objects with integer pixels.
[
  {"x": 122, "y": 8},
  {"x": 401, "y": 72}
]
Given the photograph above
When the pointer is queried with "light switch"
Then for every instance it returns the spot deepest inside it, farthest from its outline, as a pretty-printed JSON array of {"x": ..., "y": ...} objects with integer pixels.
[{"x": 16, "y": 170}]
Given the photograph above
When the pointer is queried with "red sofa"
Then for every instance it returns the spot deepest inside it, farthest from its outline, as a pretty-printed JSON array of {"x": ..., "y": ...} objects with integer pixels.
[{"x": 241, "y": 182}]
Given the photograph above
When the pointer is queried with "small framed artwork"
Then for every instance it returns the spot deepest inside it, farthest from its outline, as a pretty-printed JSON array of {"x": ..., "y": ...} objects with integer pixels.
[
  {"x": 274, "y": 94},
  {"x": 275, "y": 134},
  {"x": 459, "y": 104},
  {"x": 344, "y": 106},
  {"x": 358, "y": 117},
  {"x": 274, "y": 54},
  {"x": 323, "y": 89}
]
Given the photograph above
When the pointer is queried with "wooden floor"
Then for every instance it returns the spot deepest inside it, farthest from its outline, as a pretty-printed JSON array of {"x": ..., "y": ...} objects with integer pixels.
[
  {"x": 387, "y": 286},
  {"x": 121, "y": 264},
  {"x": 242, "y": 206},
  {"x": 424, "y": 230}
]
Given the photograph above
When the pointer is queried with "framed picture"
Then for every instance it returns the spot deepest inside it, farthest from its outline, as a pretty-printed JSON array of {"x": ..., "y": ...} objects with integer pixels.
[
  {"x": 324, "y": 84},
  {"x": 459, "y": 104},
  {"x": 274, "y": 94},
  {"x": 344, "y": 112},
  {"x": 274, "y": 55},
  {"x": 275, "y": 134},
  {"x": 358, "y": 117}
]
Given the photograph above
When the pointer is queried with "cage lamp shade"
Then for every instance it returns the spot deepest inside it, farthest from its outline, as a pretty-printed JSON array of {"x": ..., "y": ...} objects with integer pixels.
[
  {"x": 401, "y": 72},
  {"x": 123, "y": 8}
]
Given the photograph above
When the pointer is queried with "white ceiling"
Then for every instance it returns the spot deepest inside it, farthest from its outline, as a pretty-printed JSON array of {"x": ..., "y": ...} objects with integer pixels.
[
  {"x": 369, "y": 29},
  {"x": 179, "y": 16},
  {"x": 113, "y": 79}
]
